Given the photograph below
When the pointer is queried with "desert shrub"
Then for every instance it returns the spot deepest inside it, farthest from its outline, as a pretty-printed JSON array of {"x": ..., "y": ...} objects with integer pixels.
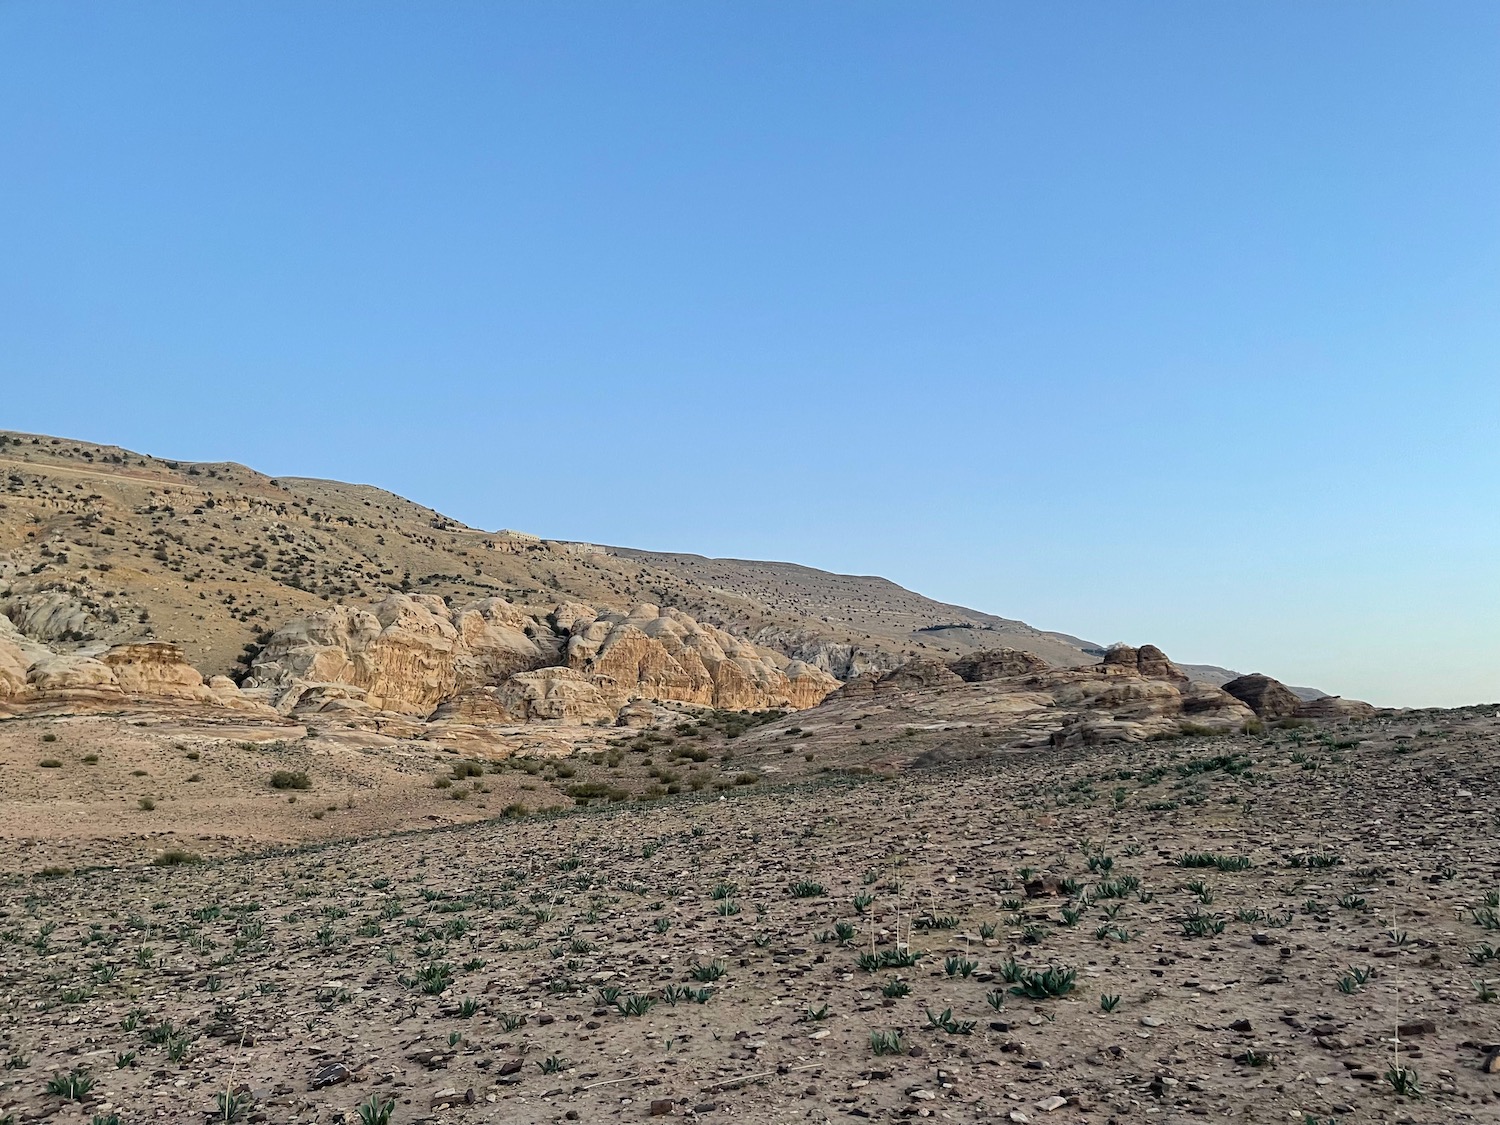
[
  {"x": 50, "y": 764},
  {"x": 176, "y": 857},
  {"x": 587, "y": 791},
  {"x": 290, "y": 779}
]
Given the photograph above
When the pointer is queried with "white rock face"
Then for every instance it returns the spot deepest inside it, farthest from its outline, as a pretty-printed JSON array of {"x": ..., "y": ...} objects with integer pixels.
[{"x": 413, "y": 655}]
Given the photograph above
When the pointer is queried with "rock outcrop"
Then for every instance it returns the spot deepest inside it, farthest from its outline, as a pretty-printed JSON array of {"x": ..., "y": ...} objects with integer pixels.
[
  {"x": 660, "y": 653},
  {"x": 1148, "y": 661},
  {"x": 842, "y": 661},
  {"x": 33, "y": 676},
  {"x": 561, "y": 694},
  {"x": 1268, "y": 698},
  {"x": 405, "y": 655},
  {"x": 1131, "y": 695},
  {"x": 997, "y": 664},
  {"x": 492, "y": 661},
  {"x": 1330, "y": 707}
]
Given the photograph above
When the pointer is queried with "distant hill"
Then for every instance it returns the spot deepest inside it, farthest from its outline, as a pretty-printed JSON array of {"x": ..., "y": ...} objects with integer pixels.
[{"x": 102, "y": 543}]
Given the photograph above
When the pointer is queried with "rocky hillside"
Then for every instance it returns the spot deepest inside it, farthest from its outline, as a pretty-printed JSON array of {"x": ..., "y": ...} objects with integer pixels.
[{"x": 102, "y": 544}]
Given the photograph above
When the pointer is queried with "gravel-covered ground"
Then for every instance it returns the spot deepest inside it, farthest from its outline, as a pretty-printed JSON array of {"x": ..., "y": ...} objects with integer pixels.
[{"x": 1259, "y": 915}]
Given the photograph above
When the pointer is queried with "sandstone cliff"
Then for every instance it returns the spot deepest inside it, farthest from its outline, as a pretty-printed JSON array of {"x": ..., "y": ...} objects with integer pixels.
[{"x": 492, "y": 661}]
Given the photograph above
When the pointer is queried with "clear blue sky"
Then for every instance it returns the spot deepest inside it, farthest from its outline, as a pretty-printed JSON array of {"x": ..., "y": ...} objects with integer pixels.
[{"x": 1168, "y": 322}]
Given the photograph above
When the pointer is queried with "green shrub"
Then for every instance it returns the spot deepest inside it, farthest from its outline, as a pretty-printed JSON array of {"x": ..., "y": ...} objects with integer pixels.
[{"x": 290, "y": 779}]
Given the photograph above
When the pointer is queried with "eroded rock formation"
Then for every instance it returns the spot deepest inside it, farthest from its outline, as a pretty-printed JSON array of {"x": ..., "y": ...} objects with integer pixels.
[
  {"x": 1268, "y": 698},
  {"x": 33, "y": 676},
  {"x": 492, "y": 661}
]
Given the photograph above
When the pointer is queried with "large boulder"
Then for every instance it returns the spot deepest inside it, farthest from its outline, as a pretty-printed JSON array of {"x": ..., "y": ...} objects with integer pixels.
[
  {"x": 1268, "y": 698},
  {"x": 73, "y": 677}
]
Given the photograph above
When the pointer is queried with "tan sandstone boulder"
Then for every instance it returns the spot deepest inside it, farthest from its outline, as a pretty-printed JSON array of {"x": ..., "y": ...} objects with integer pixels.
[{"x": 1268, "y": 698}]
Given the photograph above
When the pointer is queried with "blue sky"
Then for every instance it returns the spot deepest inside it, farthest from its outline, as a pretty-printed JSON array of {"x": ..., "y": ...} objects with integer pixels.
[{"x": 1170, "y": 322}]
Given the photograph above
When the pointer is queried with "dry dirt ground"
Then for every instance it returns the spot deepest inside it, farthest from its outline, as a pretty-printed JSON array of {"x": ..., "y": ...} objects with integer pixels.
[{"x": 1258, "y": 913}]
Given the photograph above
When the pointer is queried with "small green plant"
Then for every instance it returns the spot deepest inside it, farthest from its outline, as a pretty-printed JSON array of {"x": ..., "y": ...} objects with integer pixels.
[
  {"x": 708, "y": 973},
  {"x": 1354, "y": 979},
  {"x": 936, "y": 922},
  {"x": 1486, "y": 994},
  {"x": 862, "y": 902},
  {"x": 944, "y": 1021},
  {"x": 956, "y": 966},
  {"x": 1314, "y": 859},
  {"x": 376, "y": 1111},
  {"x": 816, "y": 1015},
  {"x": 434, "y": 977},
  {"x": 1404, "y": 1082},
  {"x": 467, "y": 1007},
  {"x": 1109, "y": 1002},
  {"x": 1202, "y": 925},
  {"x": 636, "y": 1004},
  {"x": 894, "y": 989},
  {"x": 73, "y": 1086},
  {"x": 1050, "y": 983},
  {"x": 231, "y": 1106},
  {"x": 995, "y": 999},
  {"x": 553, "y": 1064},
  {"x": 886, "y": 1043},
  {"x": 804, "y": 888},
  {"x": 1488, "y": 917}
]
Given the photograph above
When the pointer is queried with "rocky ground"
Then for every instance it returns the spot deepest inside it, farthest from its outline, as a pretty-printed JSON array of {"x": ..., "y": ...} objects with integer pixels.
[{"x": 1282, "y": 926}]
